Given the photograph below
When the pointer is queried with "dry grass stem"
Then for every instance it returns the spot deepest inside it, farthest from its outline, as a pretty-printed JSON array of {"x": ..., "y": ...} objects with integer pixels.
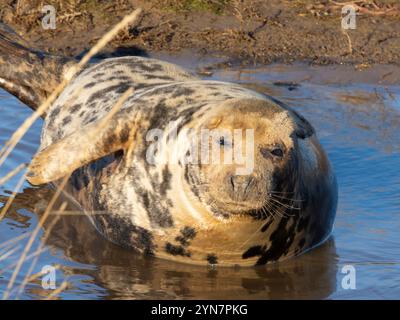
[
  {"x": 12, "y": 197},
  {"x": 20, "y": 132},
  {"x": 33, "y": 236},
  {"x": 12, "y": 173},
  {"x": 56, "y": 292},
  {"x": 39, "y": 250}
]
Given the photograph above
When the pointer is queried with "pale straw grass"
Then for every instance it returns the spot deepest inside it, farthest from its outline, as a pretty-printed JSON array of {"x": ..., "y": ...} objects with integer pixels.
[
  {"x": 32, "y": 278},
  {"x": 36, "y": 255},
  {"x": 20, "y": 132},
  {"x": 12, "y": 173},
  {"x": 37, "y": 275},
  {"x": 14, "y": 240},
  {"x": 10, "y": 200},
  {"x": 33, "y": 236},
  {"x": 114, "y": 109},
  {"x": 56, "y": 292},
  {"x": 6, "y": 253},
  {"x": 12, "y": 265}
]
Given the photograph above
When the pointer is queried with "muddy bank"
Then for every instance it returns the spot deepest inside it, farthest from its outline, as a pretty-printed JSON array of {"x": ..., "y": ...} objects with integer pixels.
[{"x": 246, "y": 31}]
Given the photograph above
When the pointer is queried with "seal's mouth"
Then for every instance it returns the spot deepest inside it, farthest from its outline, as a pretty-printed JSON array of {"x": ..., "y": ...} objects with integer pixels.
[
  {"x": 269, "y": 206},
  {"x": 238, "y": 207}
]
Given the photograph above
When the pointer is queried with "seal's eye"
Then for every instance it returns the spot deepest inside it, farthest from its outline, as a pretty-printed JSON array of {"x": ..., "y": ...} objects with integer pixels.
[{"x": 277, "y": 152}]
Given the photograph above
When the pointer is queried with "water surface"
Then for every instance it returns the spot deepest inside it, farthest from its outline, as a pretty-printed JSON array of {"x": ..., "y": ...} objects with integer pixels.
[{"x": 359, "y": 127}]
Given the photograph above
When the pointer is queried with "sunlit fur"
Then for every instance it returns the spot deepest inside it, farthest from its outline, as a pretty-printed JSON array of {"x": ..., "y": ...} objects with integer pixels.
[{"x": 270, "y": 131}]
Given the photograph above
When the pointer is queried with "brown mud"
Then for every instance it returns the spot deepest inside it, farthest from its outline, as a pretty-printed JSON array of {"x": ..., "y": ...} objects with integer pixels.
[{"x": 245, "y": 31}]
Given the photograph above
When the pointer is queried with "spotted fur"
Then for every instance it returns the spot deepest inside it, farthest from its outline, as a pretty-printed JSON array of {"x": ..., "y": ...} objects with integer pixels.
[{"x": 163, "y": 210}]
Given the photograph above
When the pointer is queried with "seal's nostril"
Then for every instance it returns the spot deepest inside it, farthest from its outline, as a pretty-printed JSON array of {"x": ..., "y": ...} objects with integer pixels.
[
  {"x": 232, "y": 182},
  {"x": 241, "y": 182},
  {"x": 248, "y": 183}
]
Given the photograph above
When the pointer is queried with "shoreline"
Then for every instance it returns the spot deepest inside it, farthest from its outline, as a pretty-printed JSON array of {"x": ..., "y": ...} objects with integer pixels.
[
  {"x": 244, "y": 32},
  {"x": 294, "y": 73}
]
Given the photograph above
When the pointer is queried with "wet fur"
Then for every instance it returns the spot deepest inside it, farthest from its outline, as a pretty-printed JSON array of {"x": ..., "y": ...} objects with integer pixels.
[{"x": 158, "y": 210}]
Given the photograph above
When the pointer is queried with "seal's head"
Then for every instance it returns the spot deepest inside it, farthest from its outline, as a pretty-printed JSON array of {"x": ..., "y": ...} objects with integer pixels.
[{"x": 253, "y": 156}]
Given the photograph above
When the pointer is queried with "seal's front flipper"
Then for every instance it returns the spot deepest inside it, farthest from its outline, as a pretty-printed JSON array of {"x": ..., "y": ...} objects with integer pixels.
[
  {"x": 28, "y": 74},
  {"x": 92, "y": 142}
]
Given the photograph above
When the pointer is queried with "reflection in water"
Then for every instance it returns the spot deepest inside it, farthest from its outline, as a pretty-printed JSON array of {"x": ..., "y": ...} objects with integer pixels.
[
  {"x": 125, "y": 274},
  {"x": 358, "y": 126}
]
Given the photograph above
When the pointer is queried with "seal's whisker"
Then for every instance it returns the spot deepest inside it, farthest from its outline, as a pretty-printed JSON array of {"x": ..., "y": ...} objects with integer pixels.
[
  {"x": 285, "y": 205},
  {"x": 290, "y": 199},
  {"x": 267, "y": 212},
  {"x": 273, "y": 210},
  {"x": 279, "y": 192},
  {"x": 264, "y": 210},
  {"x": 277, "y": 207},
  {"x": 281, "y": 214}
]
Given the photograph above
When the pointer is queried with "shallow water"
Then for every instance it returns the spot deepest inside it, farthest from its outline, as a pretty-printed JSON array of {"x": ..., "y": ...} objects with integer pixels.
[{"x": 358, "y": 125}]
